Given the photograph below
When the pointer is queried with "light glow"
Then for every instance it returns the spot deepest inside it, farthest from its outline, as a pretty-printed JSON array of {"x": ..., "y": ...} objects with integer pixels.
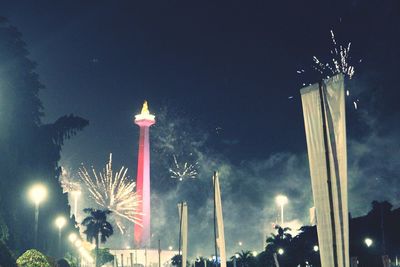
[
  {"x": 368, "y": 242},
  {"x": 72, "y": 237},
  {"x": 38, "y": 193},
  {"x": 61, "y": 222},
  {"x": 281, "y": 200}
]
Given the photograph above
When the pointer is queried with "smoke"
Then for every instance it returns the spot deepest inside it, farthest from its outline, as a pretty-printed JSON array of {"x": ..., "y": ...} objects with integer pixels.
[{"x": 248, "y": 188}]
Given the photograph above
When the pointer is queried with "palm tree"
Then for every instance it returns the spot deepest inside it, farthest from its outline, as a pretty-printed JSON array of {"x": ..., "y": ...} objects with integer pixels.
[
  {"x": 244, "y": 258},
  {"x": 281, "y": 239},
  {"x": 97, "y": 225},
  {"x": 280, "y": 243}
]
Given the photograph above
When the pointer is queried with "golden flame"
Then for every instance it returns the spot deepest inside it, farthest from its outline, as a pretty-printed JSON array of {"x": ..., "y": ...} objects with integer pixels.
[{"x": 145, "y": 108}]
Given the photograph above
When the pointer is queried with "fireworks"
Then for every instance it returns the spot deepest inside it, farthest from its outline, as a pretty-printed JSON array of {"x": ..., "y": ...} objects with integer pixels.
[
  {"x": 67, "y": 185},
  {"x": 113, "y": 191},
  {"x": 340, "y": 61},
  {"x": 183, "y": 171}
]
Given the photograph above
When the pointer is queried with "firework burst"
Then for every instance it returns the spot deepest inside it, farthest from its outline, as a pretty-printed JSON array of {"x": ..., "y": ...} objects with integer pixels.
[
  {"x": 339, "y": 62},
  {"x": 113, "y": 191},
  {"x": 67, "y": 184},
  {"x": 183, "y": 171}
]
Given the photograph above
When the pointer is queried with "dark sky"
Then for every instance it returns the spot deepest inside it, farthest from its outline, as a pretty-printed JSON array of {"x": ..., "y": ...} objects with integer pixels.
[{"x": 225, "y": 65}]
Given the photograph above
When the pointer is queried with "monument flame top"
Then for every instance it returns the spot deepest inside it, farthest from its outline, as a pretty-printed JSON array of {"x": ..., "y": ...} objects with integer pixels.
[{"x": 145, "y": 114}]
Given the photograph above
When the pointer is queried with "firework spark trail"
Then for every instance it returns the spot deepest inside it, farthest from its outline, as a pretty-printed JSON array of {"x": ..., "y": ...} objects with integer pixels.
[
  {"x": 340, "y": 60},
  {"x": 67, "y": 185},
  {"x": 114, "y": 192},
  {"x": 182, "y": 172}
]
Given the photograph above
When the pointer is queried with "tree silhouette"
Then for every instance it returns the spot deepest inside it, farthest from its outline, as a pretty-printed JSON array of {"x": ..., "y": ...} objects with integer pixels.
[
  {"x": 244, "y": 258},
  {"x": 303, "y": 247},
  {"x": 97, "y": 226},
  {"x": 32, "y": 148},
  {"x": 280, "y": 241}
]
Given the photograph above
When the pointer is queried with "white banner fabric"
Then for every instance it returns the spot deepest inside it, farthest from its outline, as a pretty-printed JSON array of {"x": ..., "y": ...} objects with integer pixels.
[
  {"x": 183, "y": 218},
  {"x": 327, "y": 139},
  {"x": 220, "y": 221}
]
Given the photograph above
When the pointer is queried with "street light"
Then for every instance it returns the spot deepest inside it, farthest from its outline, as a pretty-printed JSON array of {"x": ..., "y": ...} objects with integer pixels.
[
  {"x": 281, "y": 251},
  {"x": 37, "y": 194},
  {"x": 316, "y": 248},
  {"x": 281, "y": 200},
  {"x": 72, "y": 237},
  {"x": 368, "y": 241},
  {"x": 60, "y": 223}
]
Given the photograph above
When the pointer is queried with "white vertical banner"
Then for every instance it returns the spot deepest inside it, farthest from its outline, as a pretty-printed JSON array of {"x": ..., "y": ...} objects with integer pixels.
[
  {"x": 325, "y": 126},
  {"x": 220, "y": 237},
  {"x": 183, "y": 218}
]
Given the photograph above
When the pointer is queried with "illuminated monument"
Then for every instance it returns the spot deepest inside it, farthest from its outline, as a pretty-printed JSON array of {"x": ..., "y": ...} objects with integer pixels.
[
  {"x": 142, "y": 232},
  {"x": 143, "y": 254}
]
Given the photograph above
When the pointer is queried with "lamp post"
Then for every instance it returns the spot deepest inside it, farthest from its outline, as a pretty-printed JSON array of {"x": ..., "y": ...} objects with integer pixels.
[
  {"x": 37, "y": 194},
  {"x": 281, "y": 200},
  {"x": 60, "y": 223}
]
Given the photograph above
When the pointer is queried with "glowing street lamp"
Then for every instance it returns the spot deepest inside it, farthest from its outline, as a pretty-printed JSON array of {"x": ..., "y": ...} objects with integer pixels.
[
  {"x": 72, "y": 237},
  {"x": 316, "y": 248},
  {"x": 368, "y": 241},
  {"x": 60, "y": 223},
  {"x": 281, "y": 200},
  {"x": 37, "y": 194},
  {"x": 281, "y": 251}
]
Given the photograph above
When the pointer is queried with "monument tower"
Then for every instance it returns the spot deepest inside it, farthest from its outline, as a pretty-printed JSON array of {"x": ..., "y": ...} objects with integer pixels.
[{"x": 142, "y": 232}]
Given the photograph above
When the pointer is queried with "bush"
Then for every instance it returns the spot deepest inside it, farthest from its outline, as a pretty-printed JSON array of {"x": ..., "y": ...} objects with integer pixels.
[
  {"x": 104, "y": 256},
  {"x": 6, "y": 257},
  {"x": 32, "y": 258}
]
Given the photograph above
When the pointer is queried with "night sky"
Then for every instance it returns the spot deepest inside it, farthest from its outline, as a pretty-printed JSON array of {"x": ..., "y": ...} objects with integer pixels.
[{"x": 221, "y": 78}]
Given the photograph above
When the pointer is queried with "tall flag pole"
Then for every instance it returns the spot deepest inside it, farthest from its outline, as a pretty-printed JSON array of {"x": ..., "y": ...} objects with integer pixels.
[
  {"x": 325, "y": 126},
  {"x": 219, "y": 227},
  {"x": 183, "y": 231}
]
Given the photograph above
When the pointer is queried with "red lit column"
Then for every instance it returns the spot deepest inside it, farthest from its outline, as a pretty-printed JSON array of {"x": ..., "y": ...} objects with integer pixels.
[{"x": 142, "y": 232}]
